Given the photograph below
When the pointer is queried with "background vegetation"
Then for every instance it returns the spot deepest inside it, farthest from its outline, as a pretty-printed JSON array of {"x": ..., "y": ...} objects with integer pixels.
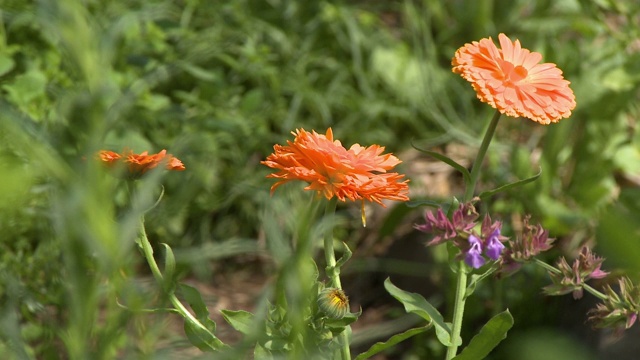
[{"x": 217, "y": 83}]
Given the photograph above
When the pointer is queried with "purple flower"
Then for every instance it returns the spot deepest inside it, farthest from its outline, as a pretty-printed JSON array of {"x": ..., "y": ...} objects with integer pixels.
[
  {"x": 438, "y": 225},
  {"x": 473, "y": 257},
  {"x": 494, "y": 246}
]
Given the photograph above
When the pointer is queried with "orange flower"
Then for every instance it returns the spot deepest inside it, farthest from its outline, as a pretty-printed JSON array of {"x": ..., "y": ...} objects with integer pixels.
[
  {"x": 138, "y": 164},
  {"x": 513, "y": 81},
  {"x": 332, "y": 170}
]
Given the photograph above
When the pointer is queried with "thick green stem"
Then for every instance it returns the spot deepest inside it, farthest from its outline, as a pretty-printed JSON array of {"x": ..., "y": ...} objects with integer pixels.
[
  {"x": 589, "y": 289},
  {"x": 461, "y": 282},
  {"x": 329, "y": 255},
  {"x": 458, "y": 311},
  {"x": 334, "y": 273}
]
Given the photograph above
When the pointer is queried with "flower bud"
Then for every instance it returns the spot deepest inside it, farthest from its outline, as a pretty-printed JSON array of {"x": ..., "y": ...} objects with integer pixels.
[{"x": 333, "y": 302}]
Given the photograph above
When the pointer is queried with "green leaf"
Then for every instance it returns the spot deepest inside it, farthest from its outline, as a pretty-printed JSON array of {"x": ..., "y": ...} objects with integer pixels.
[
  {"x": 6, "y": 64},
  {"x": 345, "y": 256},
  {"x": 240, "y": 320},
  {"x": 194, "y": 299},
  {"x": 449, "y": 161},
  {"x": 491, "y": 334},
  {"x": 26, "y": 87},
  {"x": 417, "y": 304},
  {"x": 395, "y": 339},
  {"x": 476, "y": 278},
  {"x": 487, "y": 194},
  {"x": 169, "y": 270},
  {"x": 417, "y": 203},
  {"x": 340, "y": 324},
  {"x": 201, "y": 338}
]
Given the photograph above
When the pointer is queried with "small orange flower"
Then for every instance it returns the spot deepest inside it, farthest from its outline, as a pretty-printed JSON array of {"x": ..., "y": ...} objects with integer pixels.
[
  {"x": 513, "y": 81},
  {"x": 138, "y": 164},
  {"x": 332, "y": 170}
]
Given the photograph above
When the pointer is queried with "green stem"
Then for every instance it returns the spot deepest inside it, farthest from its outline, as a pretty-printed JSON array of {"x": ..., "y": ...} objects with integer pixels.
[
  {"x": 589, "y": 289},
  {"x": 334, "y": 273},
  {"x": 461, "y": 282},
  {"x": 157, "y": 274},
  {"x": 458, "y": 310},
  {"x": 329, "y": 255},
  {"x": 477, "y": 163}
]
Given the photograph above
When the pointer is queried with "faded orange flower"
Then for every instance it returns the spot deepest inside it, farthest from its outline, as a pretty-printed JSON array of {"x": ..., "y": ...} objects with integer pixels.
[
  {"x": 332, "y": 170},
  {"x": 513, "y": 80},
  {"x": 138, "y": 164}
]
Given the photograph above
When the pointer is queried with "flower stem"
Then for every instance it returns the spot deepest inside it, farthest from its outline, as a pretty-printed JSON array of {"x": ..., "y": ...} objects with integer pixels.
[
  {"x": 157, "y": 274},
  {"x": 477, "y": 163},
  {"x": 458, "y": 311},
  {"x": 461, "y": 282},
  {"x": 329, "y": 255},
  {"x": 334, "y": 273}
]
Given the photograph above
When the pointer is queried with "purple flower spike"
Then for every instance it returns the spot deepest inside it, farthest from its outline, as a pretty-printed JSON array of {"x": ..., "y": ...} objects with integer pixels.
[
  {"x": 494, "y": 247},
  {"x": 474, "y": 257}
]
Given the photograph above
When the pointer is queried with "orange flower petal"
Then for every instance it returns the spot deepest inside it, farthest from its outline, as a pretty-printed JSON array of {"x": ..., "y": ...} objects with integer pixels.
[
  {"x": 513, "y": 81},
  {"x": 333, "y": 171},
  {"x": 138, "y": 164}
]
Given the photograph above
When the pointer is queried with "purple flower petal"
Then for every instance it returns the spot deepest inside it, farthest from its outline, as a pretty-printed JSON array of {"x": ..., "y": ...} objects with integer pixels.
[
  {"x": 494, "y": 247},
  {"x": 473, "y": 257}
]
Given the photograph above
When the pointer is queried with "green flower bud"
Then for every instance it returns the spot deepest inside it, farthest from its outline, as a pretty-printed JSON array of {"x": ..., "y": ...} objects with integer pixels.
[{"x": 333, "y": 302}]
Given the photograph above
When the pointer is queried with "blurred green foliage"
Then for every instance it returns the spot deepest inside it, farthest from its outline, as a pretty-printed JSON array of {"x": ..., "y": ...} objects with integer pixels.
[{"x": 218, "y": 83}]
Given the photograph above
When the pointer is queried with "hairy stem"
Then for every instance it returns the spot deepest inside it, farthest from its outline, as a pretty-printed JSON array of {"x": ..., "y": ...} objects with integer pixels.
[
  {"x": 334, "y": 273},
  {"x": 461, "y": 282}
]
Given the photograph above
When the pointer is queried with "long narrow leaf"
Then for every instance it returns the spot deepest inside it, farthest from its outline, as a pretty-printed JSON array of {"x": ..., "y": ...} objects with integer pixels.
[
  {"x": 449, "y": 161},
  {"x": 395, "y": 339},
  {"x": 487, "y": 194},
  {"x": 491, "y": 334}
]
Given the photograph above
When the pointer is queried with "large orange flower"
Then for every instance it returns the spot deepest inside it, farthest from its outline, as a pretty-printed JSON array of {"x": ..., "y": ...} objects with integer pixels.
[
  {"x": 138, "y": 164},
  {"x": 332, "y": 170},
  {"x": 513, "y": 81}
]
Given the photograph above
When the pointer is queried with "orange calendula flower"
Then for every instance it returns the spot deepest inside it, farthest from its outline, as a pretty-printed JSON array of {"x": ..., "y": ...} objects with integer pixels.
[
  {"x": 513, "y": 80},
  {"x": 332, "y": 170},
  {"x": 138, "y": 164}
]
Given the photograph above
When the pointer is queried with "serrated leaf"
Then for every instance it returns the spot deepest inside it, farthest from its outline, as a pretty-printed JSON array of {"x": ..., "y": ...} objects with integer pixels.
[
  {"x": 395, "y": 339},
  {"x": 417, "y": 304},
  {"x": 449, "y": 161},
  {"x": 487, "y": 194},
  {"x": 241, "y": 320},
  {"x": 491, "y": 334}
]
